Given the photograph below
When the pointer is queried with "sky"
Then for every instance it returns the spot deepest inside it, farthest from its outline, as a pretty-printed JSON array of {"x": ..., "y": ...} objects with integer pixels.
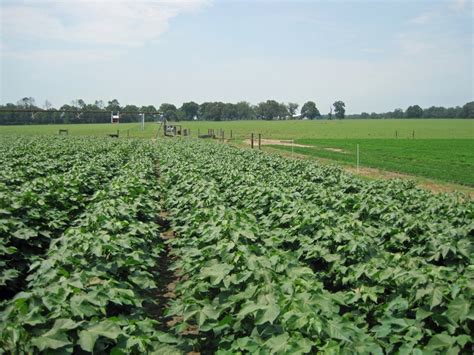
[{"x": 373, "y": 55}]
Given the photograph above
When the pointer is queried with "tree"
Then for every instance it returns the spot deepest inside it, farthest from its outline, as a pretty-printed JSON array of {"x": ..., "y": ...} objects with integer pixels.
[
  {"x": 364, "y": 115},
  {"x": 133, "y": 116},
  {"x": 397, "y": 113},
  {"x": 414, "y": 111},
  {"x": 79, "y": 103},
  {"x": 100, "y": 104},
  {"x": 94, "y": 117},
  {"x": 310, "y": 111},
  {"x": 190, "y": 110},
  {"x": 147, "y": 110},
  {"x": 169, "y": 111},
  {"x": 113, "y": 105},
  {"x": 467, "y": 110},
  {"x": 292, "y": 107},
  {"x": 271, "y": 110},
  {"x": 26, "y": 102},
  {"x": 229, "y": 112},
  {"x": 339, "y": 109},
  {"x": 244, "y": 111},
  {"x": 211, "y": 111}
]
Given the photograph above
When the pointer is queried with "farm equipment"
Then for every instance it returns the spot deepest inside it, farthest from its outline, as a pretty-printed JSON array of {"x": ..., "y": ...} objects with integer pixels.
[
  {"x": 114, "y": 118},
  {"x": 172, "y": 130}
]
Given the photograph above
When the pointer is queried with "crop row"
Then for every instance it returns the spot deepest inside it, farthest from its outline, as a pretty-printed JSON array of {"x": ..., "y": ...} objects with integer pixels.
[
  {"x": 288, "y": 256},
  {"x": 44, "y": 185},
  {"x": 92, "y": 287},
  {"x": 272, "y": 255}
]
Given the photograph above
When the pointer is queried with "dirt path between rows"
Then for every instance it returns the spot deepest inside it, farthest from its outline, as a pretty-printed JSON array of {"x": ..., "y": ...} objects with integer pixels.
[
  {"x": 290, "y": 143},
  {"x": 166, "y": 285},
  {"x": 277, "y": 142}
]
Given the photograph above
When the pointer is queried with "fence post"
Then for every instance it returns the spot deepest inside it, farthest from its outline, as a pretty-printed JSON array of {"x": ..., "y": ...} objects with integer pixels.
[
  {"x": 413, "y": 134},
  {"x": 396, "y": 134},
  {"x": 128, "y": 133},
  {"x": 199, "y": 133},
  {"x": 251, "y": 140},
  {"x": 117, "y": 133},
  {"x": 357, "y": 158},
  {"x": 259, "y": 141},
  {"x": 230, "y": 134}
]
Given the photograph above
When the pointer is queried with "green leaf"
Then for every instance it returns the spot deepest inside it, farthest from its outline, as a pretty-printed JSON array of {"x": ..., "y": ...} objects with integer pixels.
[
  {"x": 216, "y": 272},
  {"x": 25, "y": 233},
  {"x": 278, "y": 343},
  {"x": 207, "y": 312},
  {"x": 463, "y": 339},
  {"x": 56, "y": 337},
  {"x": 88, "y": 337},
  {"x": 335, "y": 331},
  {"x": 440, "y": 342},
  {"x": 270, "y": 314},
  {"x": 51, "y": 341},
  {"x": 248, "y": 308},
  {"x": 65, "y": 324},
  {"x": 167, "y": 338},
  {"x": 436, "y": 298},
  {"x": 458, "y": 310},
  {"x": 422, "y": 314}
]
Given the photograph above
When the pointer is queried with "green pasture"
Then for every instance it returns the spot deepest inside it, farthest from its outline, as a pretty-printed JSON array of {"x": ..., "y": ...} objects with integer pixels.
[
  {"x": 450, "y": 160},
  {"x": 342, "y": 129},
  {"x": 335, "y": 129},
  {"x": 441, "y": 149},
  {"x": 92, "y": 129}
]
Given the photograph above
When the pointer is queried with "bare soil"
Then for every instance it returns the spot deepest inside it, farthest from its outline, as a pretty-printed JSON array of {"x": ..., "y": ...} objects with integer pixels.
[
  {"x": 168, "y": 279},
  {"x": 277, "y": 142},
  {"x": 336, "y": 150}
]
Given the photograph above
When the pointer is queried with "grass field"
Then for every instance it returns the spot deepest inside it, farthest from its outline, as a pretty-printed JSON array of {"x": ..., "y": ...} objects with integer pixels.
[
  {"x": 442, "y": 150},
  {"x": 441, "y": 159},
  {"x": 338, "y": 129},
  {"x": 424, "y": 129}
]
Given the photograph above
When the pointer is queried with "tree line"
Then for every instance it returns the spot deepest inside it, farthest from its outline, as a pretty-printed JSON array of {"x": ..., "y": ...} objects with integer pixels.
[
  {"x": 415, "y": 111},
  {"x": 99, "y": 112}
]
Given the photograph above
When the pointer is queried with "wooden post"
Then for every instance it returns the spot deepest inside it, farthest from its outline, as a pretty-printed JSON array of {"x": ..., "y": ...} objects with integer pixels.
[
  {"x": 413, "y": 134},
  {"x": 251, "y": 140},
  {"x": 259, "y": 141},
  {"x": 230, "y": 134},
  {"x": 118, "y": 133},
  {"x": 358, "y": 158},
  {"x": 396, "y": 134},
  {"x": 199, "y": 132},
  {"x": 128, "y": 133}
]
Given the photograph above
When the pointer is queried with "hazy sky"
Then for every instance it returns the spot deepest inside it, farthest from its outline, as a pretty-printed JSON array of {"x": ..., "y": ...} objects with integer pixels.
[{"x": 374, "y": 55}]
